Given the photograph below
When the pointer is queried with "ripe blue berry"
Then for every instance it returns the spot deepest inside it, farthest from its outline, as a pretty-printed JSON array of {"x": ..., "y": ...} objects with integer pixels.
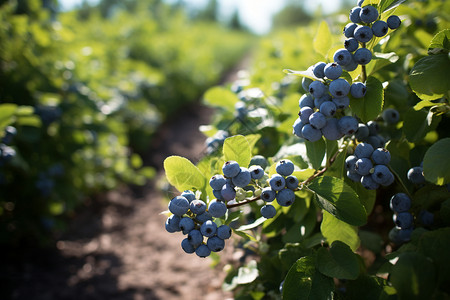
[
  {"x": 203, "y": 251},
  {"x": 284, "y": 167},
  {"x": 341, "y": 102},
  {"x": 400, "y": 236},
  {"x": 333, "y": 71},
  {"x": 350, "y": 163},
  {"x": 224, "y": 232},
  {"x": 382, "y": 175},
  {"x": 218, "y": 194},
  {"x": 328, "y": 108},
  {"x": 186, "y": 225},
  {"x": 364, "y": 150},
  {"x": 403, "y": 220},
  {"x": 268, "y": 194},
  {"x": 391, "y": 116},
  {"x": 415, "y": 175},
  {"x": 319, "y": 101},
  {"x": 381, "y": 156},
  {"x": 362, "y": 133},
  {"x": 277, "y": 182},
  {"x": 342, "y": 57},
  {"x": 228, "y": 192},
  {"x": 331, "y": 130},
  {"x": 306, "y": 100},
  {"x": 285, "y": 197},
  {"x": 256, "y": 172},
  {"x": 297, "y": 127},
  {"x": 358, "y": 90},
  {"x": 310, "y": 133},
  {"x": 368, "y": 14},
  {"x": 292, "y": 182},
  {"x": 351, "y": 66},
  {"x": 368, "y": 183},
  {"x": 349, "y": 29},
  {"x": 353, "y": 176},
  {"x": 393, "y": 22},
  {"x": 347, "y": 125},
  {"x": 362, "y": 56},
  {"x": 400, "y": 202},
  {"x": 363, "y": 166},
  {"x": 306, "y": 82},
  {"x": 189, "y": 195},
  {"x": 351, "y": 44},
  {"x": 268, "y": 211},
  {"x": 215, "y": 244},
  {"x": 172, "y": 224},
  {"x": 317, "y": 120},
  {"x": 179, "y": 205},
  {"x": 363, "y": 34},
  {"x": 243, "y": 178},
  {"x": 380, "y": 28},
  {"x": 195, "y": 237},
  {"x": 230, "y": 169},
  {"x": 217, "y": 209},
  {"x": 217, "y": 182},
  {"x": 208, "y": 229},
  {"x": 317, "y": 89},
  {"x": 318, "y": 69},
  {"x": 354, "y": 14},
  {"x": 339, "y": 88},
  {"x": 206, "y": 216},
  {"x": 187, "y": 247},
  {"x": 373, "y": 127},
  {"x": 376, "y": 141},
  {"x": 305, "y": 113},
  {"x": 259, "y": 160}
]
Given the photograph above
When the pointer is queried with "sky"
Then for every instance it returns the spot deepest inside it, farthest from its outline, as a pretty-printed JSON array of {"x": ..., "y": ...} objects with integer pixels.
[{"x": 255, "y": 14}]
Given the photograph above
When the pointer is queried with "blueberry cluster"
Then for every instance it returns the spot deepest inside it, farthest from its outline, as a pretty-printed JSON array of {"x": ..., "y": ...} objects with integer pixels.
[
  {"x": 404, "y": 222},
  {"x": 7, "y": 152},
  {"x": 415, "y": 175},
  {"x": 281, "y": 187},
  {"x": 196, "y": 220},
  {"x": 369, "y": 166},
  {"x": 368, "y": 133}
]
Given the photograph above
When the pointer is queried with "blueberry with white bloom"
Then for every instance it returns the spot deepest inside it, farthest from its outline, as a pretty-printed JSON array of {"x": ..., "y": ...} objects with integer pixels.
[
  {"x": 358, "y": 90},
  {"x": 318, "y": 69},
  {"x": 351, "y": 44},
  {"x": 364, "y": 150},
  {"x": 368, "y": 183},
  {"x": 368, "y": 14},
  {"x": 189, "y": 195},
  {"x": 362, "y": 34},
  {"x": 317, "y": 89},
  {"x": 362, "y": 56},
  {"x": 268, "y": 211},
  {"x": 206, "y": 216},
  {"x": 348, "y": 125},
  {"x": 243, "y": 178},
  {"x": 381, "y": 174},
  {"x": 284, "y": 167},
  {"x": 292, "y": 182},
  {"x": 179, "y": 205},
  {"x": 277, "y": 182},
  {"x": 256, "y": 172},
  {"x": 198, "y": 207},
  {"x": 376, "y": 141},
  {"x": 267, "y": 194},
  {"x": 297, "y": 127},
  {"x": 187, "y": 247},
  {"x": 351, "y": 66},
  {"x": 415, "y": 175},
  {"x": 380, "y": 28},
  {"x": 393, "y": 22},
  {"x": 363, "y": 166},
  {"x": 228, "y": 192},
  {"x": 350, "y": 163},
  {"x": 331, "y": 130},
  {"x": 341, "y": 102},
  {"x": 259, "y": 160},
  {"x": 203, "y": 251},
  {"x": 217, "y": 209},
  {"x": 391, "y": 116},
  {"x": 223, "y": 232},
  {"x": 215, "y": 244},
  {"x": 310, "y": 133},
  {"x": 328, "y": 108},
  {"x": 306, "y": 82},
  {"x": 353, "y": 176},
  {"x": 305, "y": 113},
  {"x": 373, "y": 127},
  {"x": 342, "y": 57},
  {"x": 218, "y": 194},
  {"x": 362, "y": 133},
  {"x": 354, "y": 14},
  {"x": 319, "y": 101},
  {"x": 231, "y": 168},
  {"x": 172, "y": 224},
  {"x": 400, "y": 236},
  {"x": 195, "y": 237},
  {"x": 306, "y": 100},
  {"x": 381, "y": 156},
  {"x": 339, "y": 88},
  {"x": 333, "y": 71},
  {"x": 349, "y": 29},
  {"x": 208, "y": 229},
  {"x": 400, "y": 202},
  {"x": 186, "y": 225},
  {"x": 317, "y": 120},
  {"x": 285, "y": 197},
  {"x": 403, "y": 220},
  {"x": 217, "y": 182}
]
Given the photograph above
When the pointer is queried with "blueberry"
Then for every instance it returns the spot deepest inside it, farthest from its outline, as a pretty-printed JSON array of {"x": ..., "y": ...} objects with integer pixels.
[
  {"x": 215, "y": 244},
  {"x": 189, "y": 195},
  {"x": 363, "y": 166},
  {"x": 347, "y": 125},
  {"x": 393, "y": 22},
  {"x": 380, "y": 28},
  {"x": 341, "y": 102},
  {"x": 285, "y": 197},
  {"x": 351, "y": 66},
  {"x": 349, "y": 29},
  {"x": 317, "y": 89},
  {"x": 391, "y": 116},
  {"x": 415, "y": 175},
  {"x": 310, "y": 133},
  {"x": 373, "y": 127},
  {"x": 376, "y": 141},
  {"x": 358, "y": 90},
  {"x": 339, "y": 88},
  {"x": 368, "y": 183},
  {"x": 186, "y": 225},
  {"x": 173, "y": 224},
  {"x": 353, "y": 176},
  {"x": 208, "y": 228},
  {"x": 305, "y": 113},
  {"x": 217, "y": 182},
  {"x": 228, "y": 192},
  {"x": 400, "y": 202},
  {"x": 333, "y": 71},
  {"x": 217, "y": 209},
  {"x": 10, "y": 132},
  {"x": 179, "y": 205},
  {"x": 306, "y": 100},
  {"x": 203, "y": 251},
  {"x": 362, "y": 133},
  {"x": 268, "y": 194},
  {"x": 224, "y": 232},
  {"x": 318, "y": 69},
  {"x": 368, "y": 14},
  {"x": 204, "y": 217},
  {"x": 364, "y": 150},
  {"x": 403, "y": 220},
  {"x": 256, "y": 172},
  {"x": 342, "y": 57},
  {"x": 400, "y": 236},
  {"x": 426, "y": 218},
  {"x": 218, "y": 194},
  {"x": 306, "y": 82},
  {"x": 277, "y": 182},
  {"x": 381, "y": 156},
  {"x": 351, "y": 44},
  {"x": 292, "y": 182},
  {"x": 284, "y": 167},
  {"x": 319, "y": 101},
  {"x": 268, "y": 211},
  {"x": 187, "y": 247},
  {"x": 331, "y": 130},
  {"x": 354, "y": 14},
  {"x": 350, "y": 163},
  {"x": 259, "y": 160},
  {"x": 317, "y": 120},
  {"x": 328, "y": 108},
  {"x": 381, "y": 174},
  {"x": 362, "y": 34},
  {"x": 243, "y": 178},
  {"x": 297, "y": 127},
  {"x": 230, "y": 169},
  {"x": 195, "y": 237},
  {"x": 362, "y": 56}
]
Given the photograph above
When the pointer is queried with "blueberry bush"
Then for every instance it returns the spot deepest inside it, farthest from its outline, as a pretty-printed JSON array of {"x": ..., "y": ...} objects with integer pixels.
[{"x": 334, "y": 180}]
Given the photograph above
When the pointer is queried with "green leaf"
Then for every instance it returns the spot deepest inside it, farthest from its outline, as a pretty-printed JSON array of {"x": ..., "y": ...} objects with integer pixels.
[
  {"x": 334, "y": 229},
  {"x": 7, "y": 112},
  {"x": 386, "y": 5},
  {"x": 183, "y": 174},
  {"x": 336, "y": 169},
  {"x": 429, "y": 78},
  {"x": 367, "y": 197},
  {"x": 440, "y": 43},
  {"x": 238, "y": 149},
  {"x": 308, "y": 73},
  {"x": 292, "y": 252},
  {"x": 316, "y": 152},
  {"x": 339, "y": 199},
  {"x": 221, "y": 97},
  {"x": 416, "y": 125},
  {"x": 322, "y": 40},
  {"x": 338, "y": 262},
  {"x": 435, "y": 244},
  {"x": 436, "y": 162},
  {"x": 304, "y": 282},
  {"x": 365, "y": 287},
  {"x": 369, "y": 107},
  {"x": 381, "y": 60},
  {"x": 426, "y": 103},
  {"x": 248, "y": 273},
  {"x": 413, "y": 276}
]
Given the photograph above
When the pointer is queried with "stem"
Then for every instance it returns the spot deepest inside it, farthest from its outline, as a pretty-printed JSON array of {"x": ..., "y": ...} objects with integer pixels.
[
  {"x": 244, "y": 202},
  {"x": 363, "y": 68}
]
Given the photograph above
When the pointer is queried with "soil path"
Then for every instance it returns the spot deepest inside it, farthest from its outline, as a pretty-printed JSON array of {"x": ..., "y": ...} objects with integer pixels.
[{"x": 117, "y": 247}]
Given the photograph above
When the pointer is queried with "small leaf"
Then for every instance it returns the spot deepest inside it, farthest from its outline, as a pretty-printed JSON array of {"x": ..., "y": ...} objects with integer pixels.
[
  {"x": 7, "y": 112},
  {"x": 436, "y": 162},
  {"x": 369, "y": 107},
  {"x": 238, "y": 149},
  {"x": 386, "y": 5},
  {"x": 316, "y": 152},
  {"x": 381, "y": 60},
  {"x": 322, "y": 40},
  {"x": 221, "y": 97},
  {"x": 338, "y": 262},
  {"x": 308, "y": 73},
  {"x": 248, "y": 273},
  {"x": 415, "y": 124},
  {"x": 426, "y": 103},
  {"x": 440, "y": 43},
  {"x": 183, "y": 174},
  {"x": 255, "y": 224}
]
